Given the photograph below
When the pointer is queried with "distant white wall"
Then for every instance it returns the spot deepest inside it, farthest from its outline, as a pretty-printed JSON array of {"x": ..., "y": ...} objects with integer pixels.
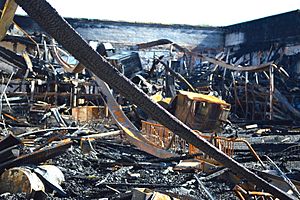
[
  {"x": 188, "y": 37},
  {"x": 233, "y": 39}
]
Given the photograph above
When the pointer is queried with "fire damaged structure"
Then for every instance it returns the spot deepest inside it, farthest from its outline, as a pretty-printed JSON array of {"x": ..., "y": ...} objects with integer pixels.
[
  {"x": 94, "y": 109},
  {"x": 260, "y": 41}
]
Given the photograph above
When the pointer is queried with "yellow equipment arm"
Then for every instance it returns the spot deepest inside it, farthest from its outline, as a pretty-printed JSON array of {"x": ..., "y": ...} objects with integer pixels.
[{"x": 7, "y": 16}]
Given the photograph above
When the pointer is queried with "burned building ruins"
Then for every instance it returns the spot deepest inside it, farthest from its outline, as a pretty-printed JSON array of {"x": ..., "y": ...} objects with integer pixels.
[{"x": 93, "y": 109}]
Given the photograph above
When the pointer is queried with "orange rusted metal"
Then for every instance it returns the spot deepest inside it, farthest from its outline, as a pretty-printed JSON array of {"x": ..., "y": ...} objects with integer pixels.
[
  {"x": 130, "y": 131},
  {"x": 227, "y": 146},
  {"x": 163, "y": 138},
  {"x": 245, "y": 194}
]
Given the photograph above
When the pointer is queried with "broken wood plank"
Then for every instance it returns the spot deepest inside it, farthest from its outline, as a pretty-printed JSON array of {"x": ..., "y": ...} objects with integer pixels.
[
  {"x": 37, "y": 156},
  {"x": 9, "y": 153},
  {"x": 8, "y": 141}
]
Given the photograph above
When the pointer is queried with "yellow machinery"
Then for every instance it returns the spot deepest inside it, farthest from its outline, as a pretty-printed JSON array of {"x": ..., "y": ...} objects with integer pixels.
[
  {"x": 7, "y": 17},
  {"x": 201, "y": 112}
]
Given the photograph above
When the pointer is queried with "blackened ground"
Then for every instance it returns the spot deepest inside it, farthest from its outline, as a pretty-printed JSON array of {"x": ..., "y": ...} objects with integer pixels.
[
  {"x": 8, "y": 196},
  {"x": 115, "y": 168}
]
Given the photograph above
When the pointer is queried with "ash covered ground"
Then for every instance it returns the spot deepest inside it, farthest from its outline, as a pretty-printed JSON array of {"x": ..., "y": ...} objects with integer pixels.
[{"x": 114, "y": 169}]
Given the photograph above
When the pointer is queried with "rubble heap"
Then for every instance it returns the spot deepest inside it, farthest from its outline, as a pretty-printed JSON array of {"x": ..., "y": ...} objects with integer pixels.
[{"x": 108, "y": 123}]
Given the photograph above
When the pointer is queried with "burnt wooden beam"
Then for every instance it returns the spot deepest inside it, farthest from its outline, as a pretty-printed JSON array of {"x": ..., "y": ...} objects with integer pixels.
[
  {"x": 9, "y": 141},
  {"x": 141, "y": 185},
  {"x": 9, "y": 153},
  {"x": 37, "y": 156}
]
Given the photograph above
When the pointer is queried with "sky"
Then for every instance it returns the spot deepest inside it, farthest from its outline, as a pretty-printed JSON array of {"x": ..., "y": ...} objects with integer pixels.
[{"x": 193, "y": 12}]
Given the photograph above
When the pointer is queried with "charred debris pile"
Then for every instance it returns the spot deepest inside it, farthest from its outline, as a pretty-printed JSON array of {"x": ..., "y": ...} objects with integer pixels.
[{"x": 67, "y": 134}]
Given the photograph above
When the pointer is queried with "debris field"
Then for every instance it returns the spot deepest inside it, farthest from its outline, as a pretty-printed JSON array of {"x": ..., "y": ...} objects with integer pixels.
[{"x": 158, "y": 119}]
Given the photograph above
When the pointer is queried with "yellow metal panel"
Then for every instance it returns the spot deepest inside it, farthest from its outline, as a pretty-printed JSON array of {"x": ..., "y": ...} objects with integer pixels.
[
  {"x": 7, "y": 17},
  {"x": 157, "y": 97},
  {"x": 202, "y": 97}
]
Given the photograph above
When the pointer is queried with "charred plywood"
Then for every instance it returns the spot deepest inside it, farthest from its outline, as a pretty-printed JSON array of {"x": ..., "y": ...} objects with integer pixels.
[{"x": 85, "y": 113}]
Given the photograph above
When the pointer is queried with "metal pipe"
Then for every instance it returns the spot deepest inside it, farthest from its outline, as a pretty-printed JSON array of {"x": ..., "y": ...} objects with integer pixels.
[
  {"x": 202, "y": 187},
  {"x": 285, "y": 178},
  {"x": 272, "y": 88}
]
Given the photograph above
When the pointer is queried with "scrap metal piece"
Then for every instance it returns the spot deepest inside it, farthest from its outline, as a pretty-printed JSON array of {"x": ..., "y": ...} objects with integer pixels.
[
  {"x": 11, "y": 62},
  {"x": 128, "y": 64},
  {"x": 161, "y": 42},
  {"x": 43, "y": 131},
  {"x": 102, "y": 135},
  {"x": 20, "y": 179},
  {"x": 131, "y": 132},
  {"x": 243, "y": 194},
  {"x": 54, "y": 52},
  {"x": 217, "y": 62},
  {"x": 285, "y": 178},
  {"x": 58, "y": 117},
  {"x": 144, "y": 193},
  {"x": 177, "y": 75},
  {"x": 279, "y": 181},
  {"x": 86, "y": 145},
  {"x": 52, "y": 177},
  {"x": 203, "y": 188},
  {"x": 86, "y": 141},
  {"x": 215, "y": 174},
  {"x": 262, "y": 67}
]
